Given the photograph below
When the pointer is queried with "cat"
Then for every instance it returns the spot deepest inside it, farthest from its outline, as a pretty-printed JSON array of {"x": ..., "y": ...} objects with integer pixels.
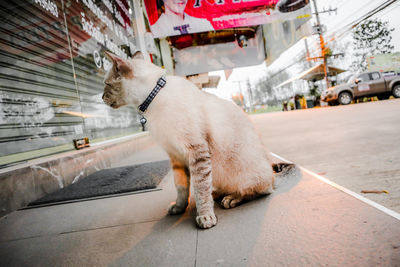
[{"x": 210, "y": 141}]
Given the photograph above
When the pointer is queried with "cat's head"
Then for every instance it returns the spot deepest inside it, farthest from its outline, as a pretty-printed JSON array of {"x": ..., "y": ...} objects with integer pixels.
[{"x": 123, "y": 80}]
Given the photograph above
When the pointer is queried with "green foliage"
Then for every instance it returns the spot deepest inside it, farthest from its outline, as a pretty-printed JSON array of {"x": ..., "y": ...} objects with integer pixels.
[
  {"x": 314, "y": 90},
  {"x": 370, "y": 38},
  {"x": 267, "y": 109}
]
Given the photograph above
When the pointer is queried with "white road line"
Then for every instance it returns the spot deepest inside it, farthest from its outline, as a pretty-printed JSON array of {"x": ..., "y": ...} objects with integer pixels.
[{"x": 345, "y": 190}]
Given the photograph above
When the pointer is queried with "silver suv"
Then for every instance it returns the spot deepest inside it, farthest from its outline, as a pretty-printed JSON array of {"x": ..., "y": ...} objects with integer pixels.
[{"x": 374, "y": 83}]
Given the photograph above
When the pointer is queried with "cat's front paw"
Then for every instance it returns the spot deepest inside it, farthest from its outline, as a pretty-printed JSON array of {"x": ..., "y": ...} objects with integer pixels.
[
  {"x": 174, "y": 209},
  {"x": 206, "y": 221}
]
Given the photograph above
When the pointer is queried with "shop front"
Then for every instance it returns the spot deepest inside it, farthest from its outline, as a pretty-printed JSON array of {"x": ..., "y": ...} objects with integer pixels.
[{"x": 52, "y": 69}]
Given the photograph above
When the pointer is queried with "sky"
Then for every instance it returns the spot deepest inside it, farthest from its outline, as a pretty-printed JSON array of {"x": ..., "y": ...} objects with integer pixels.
[{"x": 347, "y": 11}]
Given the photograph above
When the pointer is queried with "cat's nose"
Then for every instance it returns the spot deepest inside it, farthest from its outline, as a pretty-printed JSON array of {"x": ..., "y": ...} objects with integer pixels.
[{"x": 103, "y": 96}]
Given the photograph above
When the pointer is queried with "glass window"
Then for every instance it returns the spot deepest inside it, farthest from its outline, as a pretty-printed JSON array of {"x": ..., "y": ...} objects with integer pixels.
[
  {"x": 352, "y": 79},
  {"x": 94, "y": 29},
  {"x": 51, "y": 85},
  {"x": 375, "y": 76},
  {"x": 364, "y": 77}
]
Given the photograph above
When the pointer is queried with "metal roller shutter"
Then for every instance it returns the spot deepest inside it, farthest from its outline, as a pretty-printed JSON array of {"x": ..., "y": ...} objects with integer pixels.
[{"x": 51, "y": 87}]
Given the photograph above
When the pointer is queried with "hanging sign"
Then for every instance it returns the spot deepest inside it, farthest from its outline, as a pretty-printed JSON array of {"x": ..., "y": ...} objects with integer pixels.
[{"x": 177, "y": 17}]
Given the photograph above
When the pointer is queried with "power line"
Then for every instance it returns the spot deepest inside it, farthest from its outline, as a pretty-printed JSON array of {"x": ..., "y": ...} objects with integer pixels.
[
  {"x": 350, "y": 26},
  {"x": 286, "y": 67},
  {"x": 345, "y": 29},
  {"x": 352, "y": 15},
  {"x": 390, "y": 10}
]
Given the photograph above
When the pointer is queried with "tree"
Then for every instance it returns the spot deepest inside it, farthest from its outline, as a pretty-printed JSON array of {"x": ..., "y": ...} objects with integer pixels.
[
  {"x": 264, "y": 89},
  {"x": 369, "y": 38},
  {"x": 250, "y": 94}
]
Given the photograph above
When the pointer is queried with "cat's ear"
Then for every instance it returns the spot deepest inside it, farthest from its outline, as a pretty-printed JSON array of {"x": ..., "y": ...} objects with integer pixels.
[
  {"x": 121, "y": 66},
  {"x": 138, "y": 55}
]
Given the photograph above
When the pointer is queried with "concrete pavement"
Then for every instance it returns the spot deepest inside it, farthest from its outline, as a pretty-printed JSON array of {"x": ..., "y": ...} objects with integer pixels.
[{"x": 304, "y": 223}]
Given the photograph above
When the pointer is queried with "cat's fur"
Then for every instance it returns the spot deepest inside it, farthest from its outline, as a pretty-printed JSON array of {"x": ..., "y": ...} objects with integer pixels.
[{"x": 208, "y": 139}]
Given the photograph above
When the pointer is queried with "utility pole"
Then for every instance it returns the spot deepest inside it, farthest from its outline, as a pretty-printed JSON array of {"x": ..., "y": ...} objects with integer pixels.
[
  {"x": 309, "y": 83},
  {"x": 250, "y": 94},
  {"x": 241, "y": 97},
  {"x": 328, "y": 11},
  {"x": 307, "y": 52},
  {"x": 322, "y": 44},
  {"x": 325, "y": 52}
]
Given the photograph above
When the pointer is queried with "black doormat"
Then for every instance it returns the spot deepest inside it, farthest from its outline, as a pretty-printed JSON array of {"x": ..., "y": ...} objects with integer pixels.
[{"x": 110, "y": 182}]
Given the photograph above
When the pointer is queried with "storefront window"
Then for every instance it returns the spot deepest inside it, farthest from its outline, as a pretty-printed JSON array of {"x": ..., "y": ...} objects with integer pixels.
[{"x": 52, "y": 69}]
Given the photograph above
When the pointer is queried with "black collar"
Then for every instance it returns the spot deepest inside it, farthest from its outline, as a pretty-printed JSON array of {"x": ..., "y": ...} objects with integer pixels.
[{"x": 160, "y": 84}]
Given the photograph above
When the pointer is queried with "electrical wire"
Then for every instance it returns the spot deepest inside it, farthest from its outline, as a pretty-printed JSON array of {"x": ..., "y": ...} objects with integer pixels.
[
  {"x": 344, "y": 30},
  {"x": 348, "y": 28}
]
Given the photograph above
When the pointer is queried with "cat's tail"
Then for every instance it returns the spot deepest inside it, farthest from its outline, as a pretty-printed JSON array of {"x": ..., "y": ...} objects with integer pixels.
[
  {"x": 282, "y": 167},
  {"x": 281, "y": 170}
]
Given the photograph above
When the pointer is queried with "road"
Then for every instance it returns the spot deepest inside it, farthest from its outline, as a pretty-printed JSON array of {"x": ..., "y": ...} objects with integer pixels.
[{"x": 356, "y": 146}]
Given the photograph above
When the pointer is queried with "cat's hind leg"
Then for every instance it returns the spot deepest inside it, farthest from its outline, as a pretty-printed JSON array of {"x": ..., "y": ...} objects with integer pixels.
[
  {"x": 182, "y": 184},
  {"x": 217, "y": 194},
  {"x": 232, "y": 200}
]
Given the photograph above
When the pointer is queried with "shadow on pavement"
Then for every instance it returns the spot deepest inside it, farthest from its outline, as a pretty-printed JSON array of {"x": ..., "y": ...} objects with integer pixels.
[{"x": 176, "y": 241}]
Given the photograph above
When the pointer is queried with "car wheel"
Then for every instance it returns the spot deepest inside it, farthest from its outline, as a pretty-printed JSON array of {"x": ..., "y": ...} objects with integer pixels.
[
  {"x": 396, "y": 91},
  {"x": 345, "y": 98}
]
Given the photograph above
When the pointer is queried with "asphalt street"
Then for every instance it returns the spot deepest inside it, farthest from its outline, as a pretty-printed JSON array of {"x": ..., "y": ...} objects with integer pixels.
[{"x": 356, "y": 146}]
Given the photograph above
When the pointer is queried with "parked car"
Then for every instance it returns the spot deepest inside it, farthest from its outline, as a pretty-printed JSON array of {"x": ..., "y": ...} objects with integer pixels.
[{"x": 382, "y": 85}]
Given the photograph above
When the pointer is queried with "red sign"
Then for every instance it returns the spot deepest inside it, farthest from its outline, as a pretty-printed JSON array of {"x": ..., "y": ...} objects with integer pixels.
[{"x": 177, "y": 17}]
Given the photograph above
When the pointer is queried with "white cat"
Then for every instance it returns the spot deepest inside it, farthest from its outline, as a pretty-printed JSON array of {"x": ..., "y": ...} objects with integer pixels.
[{"x": 208, "y": 139}]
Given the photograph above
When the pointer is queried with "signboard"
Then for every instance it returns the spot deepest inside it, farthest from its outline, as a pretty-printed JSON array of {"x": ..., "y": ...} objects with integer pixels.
[
  {"x": 229, "y": 55},
  {"x": 384, "y": 62},
  {"x": 279, "y": 36},
  {"x": 177, "y": 17}
]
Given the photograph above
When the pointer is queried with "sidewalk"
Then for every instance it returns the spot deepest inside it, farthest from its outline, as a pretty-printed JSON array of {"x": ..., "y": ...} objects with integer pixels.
[{"x": 304, "y": 223}]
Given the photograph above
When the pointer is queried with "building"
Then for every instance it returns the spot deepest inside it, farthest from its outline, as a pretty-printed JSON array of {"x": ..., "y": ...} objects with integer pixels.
[{"x": 52, "y": 60}]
